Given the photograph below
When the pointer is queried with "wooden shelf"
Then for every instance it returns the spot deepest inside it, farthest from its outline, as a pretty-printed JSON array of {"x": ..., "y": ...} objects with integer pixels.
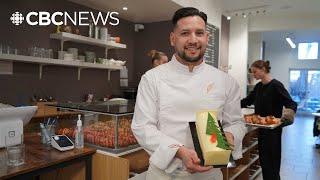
[
  {"x": 256, "y": 173},
  {"x": 242, "y": 171},
  {"x": 249, "y": 147},
  {"x": 63, "y": 36},
  {"x": 253, "y": 160},
  {"x": 57, "y": 62},
  {"x": 239, "y": 169}
]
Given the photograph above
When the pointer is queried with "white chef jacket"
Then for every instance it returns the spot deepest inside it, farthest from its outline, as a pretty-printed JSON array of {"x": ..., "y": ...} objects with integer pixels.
[{"x": 169, "y": 97}]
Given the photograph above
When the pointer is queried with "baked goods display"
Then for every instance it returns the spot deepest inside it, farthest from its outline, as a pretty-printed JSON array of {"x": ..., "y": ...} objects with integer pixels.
[
  {"x": 214, "y": 146},
  {"x": 102, "y": 133},
  {"x": 256, "y": 120}
]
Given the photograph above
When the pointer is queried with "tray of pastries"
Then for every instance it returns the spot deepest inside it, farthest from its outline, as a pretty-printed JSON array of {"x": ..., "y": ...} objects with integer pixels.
[{"x": 268, "y": 122}]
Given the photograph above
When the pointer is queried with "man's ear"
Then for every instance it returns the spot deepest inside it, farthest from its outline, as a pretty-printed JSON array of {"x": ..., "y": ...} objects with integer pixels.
[
  {"x": 207, "y": 37},
  {"x": 172, "y": 39}
]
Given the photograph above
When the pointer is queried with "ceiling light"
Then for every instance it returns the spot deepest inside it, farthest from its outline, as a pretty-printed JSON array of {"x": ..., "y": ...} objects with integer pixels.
[
  {"x": 292, "y": 44},
  {"x": 229, "y": 17},
  {"x": 244, "y": 15},
  {"x": 125, "y": 8}
]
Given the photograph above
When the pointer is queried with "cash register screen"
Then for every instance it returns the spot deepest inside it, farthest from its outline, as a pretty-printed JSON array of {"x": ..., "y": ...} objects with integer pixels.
[
  {"x": 63, "y": 141},
  {"x": 23, "y": 113}
]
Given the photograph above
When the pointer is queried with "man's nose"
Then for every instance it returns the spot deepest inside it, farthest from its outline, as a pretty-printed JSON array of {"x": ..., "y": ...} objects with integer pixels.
[{"x": 193, "y": 38}]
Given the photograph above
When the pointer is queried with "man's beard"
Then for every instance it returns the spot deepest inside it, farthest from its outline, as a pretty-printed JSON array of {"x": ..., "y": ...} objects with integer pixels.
[{"x": 187, "y": 58}]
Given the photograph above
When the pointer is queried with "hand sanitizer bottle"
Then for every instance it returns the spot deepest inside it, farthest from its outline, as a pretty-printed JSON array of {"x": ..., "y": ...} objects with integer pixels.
[{"x": 79, "y": 134}]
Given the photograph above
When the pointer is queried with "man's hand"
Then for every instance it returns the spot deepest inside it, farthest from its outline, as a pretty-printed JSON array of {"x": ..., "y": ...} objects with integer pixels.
[
  {"x": 190, "y": 160},
  {"x": 230, "y": 138}
]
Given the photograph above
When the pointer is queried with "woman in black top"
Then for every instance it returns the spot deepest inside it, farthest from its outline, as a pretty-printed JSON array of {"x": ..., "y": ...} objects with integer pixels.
[{"x": 269, "y": 97}]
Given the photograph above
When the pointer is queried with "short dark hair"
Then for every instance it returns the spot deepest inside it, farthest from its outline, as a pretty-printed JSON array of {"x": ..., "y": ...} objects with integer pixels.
[{"x": 187, "y": 11}]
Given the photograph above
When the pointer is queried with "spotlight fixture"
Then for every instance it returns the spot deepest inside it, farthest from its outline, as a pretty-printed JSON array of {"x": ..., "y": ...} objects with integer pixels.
[
  {"x": 244, "y": 15},
  {"x": 290, "y": 42},
  {"x": 247, "y": 12},
  {"x": 125, "y": 8},
  {"x": 228, "y": 17}
]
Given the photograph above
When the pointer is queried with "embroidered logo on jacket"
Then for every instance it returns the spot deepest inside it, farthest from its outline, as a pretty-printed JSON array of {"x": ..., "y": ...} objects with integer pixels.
[{"x": 210, "y": 88}]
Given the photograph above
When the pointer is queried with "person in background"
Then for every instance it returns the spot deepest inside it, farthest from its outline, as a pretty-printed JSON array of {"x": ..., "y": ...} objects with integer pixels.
[
  {"x": 169, "y": 97},
  {"x": 269, "y": 97},
  {"x": 157, "y": 58}
]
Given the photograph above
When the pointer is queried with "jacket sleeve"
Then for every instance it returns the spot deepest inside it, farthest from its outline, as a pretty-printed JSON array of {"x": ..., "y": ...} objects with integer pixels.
[
  {"x": 249, "y": 100},
  {"x": 285, "y": 97},
  {"x": 144, "y": 125},
  {"x": 288, "y": 113},
  {"x": 232, "y": 118}
]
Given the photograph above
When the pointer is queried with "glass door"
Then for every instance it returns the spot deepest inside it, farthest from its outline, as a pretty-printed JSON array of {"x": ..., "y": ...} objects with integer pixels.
[{"x": 304, "y": 88}]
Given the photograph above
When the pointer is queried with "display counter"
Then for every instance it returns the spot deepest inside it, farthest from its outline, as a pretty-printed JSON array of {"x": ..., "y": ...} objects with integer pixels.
[{"x": 107, "y": 127}]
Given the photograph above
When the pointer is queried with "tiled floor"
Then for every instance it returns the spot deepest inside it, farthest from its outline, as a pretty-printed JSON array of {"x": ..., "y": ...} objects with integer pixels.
[{"x": 300, "y": 158}]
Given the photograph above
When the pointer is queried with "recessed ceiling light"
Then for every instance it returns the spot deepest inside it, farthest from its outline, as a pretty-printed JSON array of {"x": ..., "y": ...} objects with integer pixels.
[
  {"x": 125, "y": 8},
  {"x": 229, "y": 17},
  {"x": 291, "y": 43}
]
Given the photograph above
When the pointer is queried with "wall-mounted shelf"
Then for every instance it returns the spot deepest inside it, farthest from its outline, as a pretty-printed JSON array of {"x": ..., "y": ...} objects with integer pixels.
[
  {"x": 63, "y": 36},
  {"x": 57, "y": 62}
]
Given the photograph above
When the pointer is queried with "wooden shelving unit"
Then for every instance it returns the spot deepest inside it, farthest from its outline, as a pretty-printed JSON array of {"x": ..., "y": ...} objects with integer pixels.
[
  {"x": 245, "y": 166},
  {"x": 256, "y": 173}
]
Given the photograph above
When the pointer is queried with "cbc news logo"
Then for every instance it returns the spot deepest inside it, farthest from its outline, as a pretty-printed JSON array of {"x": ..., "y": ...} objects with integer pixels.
[
  {"x": 80, "y": 18},
  {"x": 16, "y": 18}
]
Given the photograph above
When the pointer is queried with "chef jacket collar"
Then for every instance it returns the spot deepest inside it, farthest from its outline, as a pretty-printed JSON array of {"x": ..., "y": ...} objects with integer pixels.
[{"x": 184, "y": 68}]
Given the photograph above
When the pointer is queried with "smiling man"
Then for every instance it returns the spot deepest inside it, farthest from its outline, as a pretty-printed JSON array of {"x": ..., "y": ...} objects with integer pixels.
[{"x": 169, "y": 97}]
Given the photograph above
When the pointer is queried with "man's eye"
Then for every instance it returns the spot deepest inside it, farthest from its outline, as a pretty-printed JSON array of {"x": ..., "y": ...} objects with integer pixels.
[
  {"x": 184, "y": 33},
  {"x": 200, "y": 33}
]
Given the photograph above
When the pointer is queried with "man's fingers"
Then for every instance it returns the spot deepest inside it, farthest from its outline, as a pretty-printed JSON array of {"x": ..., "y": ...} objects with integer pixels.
[
  {"x": 199, "y": 168},
  {"x": 195, "y": 158},
  {"x": 191, "y": 171}
]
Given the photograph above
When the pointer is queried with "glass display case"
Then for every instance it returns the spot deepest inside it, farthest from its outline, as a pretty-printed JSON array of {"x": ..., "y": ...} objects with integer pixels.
[{"x": 106, "y": 125}]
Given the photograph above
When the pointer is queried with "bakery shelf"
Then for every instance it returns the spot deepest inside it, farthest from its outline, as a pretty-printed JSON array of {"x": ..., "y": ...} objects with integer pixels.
[
  {"x": 239, "y": 169},
  {"x": 253, "y": 160},
  {"x": 57, "y": 62},
  {"x": 256, "y": 173},
  {"x": 255, "y": 143}
]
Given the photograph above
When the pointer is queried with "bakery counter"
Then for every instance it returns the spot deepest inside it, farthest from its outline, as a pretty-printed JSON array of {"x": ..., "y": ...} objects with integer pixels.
[
  {"x": 107, "y": 127},
  {"x": 43, "y": 162}
]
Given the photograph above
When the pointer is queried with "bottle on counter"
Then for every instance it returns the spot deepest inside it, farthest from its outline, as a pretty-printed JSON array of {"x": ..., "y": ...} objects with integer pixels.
[
  {"x": 79, "y": 134},
  {"x": 96, "y": 32},
  {"x": 91, "y": 29}
]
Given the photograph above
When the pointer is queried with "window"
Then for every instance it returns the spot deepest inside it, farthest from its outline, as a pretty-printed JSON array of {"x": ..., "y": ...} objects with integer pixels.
[
  {"x": 304, "y": 88},
  {"x": 308, "y": 50}
]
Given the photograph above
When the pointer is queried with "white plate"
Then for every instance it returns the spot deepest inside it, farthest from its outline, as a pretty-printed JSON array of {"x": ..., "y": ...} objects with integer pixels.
[
  {"x": 247, "y": 111},
  {"x": 272, "y": 126}
]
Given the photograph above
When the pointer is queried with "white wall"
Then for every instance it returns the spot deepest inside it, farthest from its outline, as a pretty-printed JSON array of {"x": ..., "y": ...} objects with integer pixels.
[
  {"x": 255, "y": 47},
  {"x": 274, "y": 23},
  {"x": 211, "y": 7},
  {"x": 283, "y": 58},
  {"x": 238, "y": 51}
]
